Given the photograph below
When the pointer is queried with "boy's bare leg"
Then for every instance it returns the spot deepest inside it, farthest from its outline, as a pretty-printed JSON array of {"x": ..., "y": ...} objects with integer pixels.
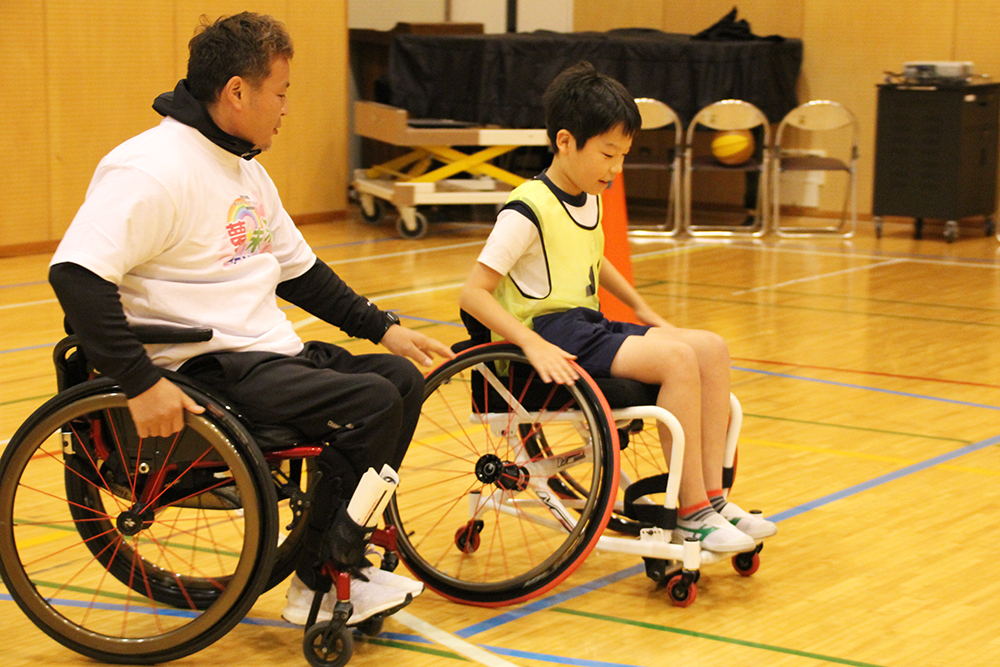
[
  {"x": 713, "y": 366},
  {"x": 673, "y": 365}
]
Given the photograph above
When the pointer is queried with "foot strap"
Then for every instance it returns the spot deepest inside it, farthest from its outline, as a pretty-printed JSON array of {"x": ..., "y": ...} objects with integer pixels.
[{"x": 651, "y": 514}]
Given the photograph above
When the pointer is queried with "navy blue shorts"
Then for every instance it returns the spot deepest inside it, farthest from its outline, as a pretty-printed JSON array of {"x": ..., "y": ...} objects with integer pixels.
[{"x": 593, "y": 338}]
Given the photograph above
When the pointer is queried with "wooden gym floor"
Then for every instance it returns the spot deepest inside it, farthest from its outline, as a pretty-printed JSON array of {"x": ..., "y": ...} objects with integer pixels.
[{"x": 870, "y": 379}]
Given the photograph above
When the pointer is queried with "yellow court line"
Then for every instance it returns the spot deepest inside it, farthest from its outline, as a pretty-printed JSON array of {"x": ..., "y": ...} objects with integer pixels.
[
  {"x": 861, "y": 455},
  {"x": 41, "y": 539}
]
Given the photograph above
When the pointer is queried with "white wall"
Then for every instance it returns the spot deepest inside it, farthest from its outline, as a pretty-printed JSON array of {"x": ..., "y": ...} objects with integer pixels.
[
  {"x": 531, "y": 14},
  {"x": 384, "y": 14}
]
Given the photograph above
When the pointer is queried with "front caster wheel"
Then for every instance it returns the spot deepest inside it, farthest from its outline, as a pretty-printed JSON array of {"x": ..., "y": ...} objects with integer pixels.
[
  {"x": 746, "y": 563},
  {"x": 467, "y": 537},
  {"x": 682, "y": 593},
  {"x": 327, "y": 645}
]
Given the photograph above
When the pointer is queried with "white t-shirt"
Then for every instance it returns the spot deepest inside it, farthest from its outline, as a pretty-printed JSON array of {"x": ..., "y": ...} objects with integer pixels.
[
  {"x": 193, "y": 236},
  {"x": 514, "y": 246}
]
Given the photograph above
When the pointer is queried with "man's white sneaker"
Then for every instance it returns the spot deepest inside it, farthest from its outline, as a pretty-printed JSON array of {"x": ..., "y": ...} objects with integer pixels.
[
  {"x": 385, "y": 578},
  {"x": 300, "y": 599},
  {"x": 715, "y": 534},
  {"x": 753, "y": 525},
  {"x": 369, "y": 598}
]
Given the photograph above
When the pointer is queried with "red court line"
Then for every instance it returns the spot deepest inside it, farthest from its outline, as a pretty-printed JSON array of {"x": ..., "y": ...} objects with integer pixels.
[{"x": 874, "y": 373}]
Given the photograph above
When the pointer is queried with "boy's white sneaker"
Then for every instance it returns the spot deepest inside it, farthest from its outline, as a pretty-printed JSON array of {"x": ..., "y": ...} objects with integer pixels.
[
  {"x": 753, "y": 525},
  {"x": 715, "y": 534},
  {"x": 367, "y": 599}
]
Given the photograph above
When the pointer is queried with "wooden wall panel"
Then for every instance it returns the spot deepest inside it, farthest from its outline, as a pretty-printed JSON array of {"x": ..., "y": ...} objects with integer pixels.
[
  {"x": 595, "y": 15},
  {"x": 848, "y": 46},
  {"x": 317, "y": 122},
  {"x": 85, "y": 76},
  {"x": 106, "y": 63},
  {"x": 766, "y": 17},
  {"x": 24, "y": 174}
]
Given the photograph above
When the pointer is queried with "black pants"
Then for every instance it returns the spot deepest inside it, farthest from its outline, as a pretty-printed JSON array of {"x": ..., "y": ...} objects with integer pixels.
[{"x": 366, "y": 407}]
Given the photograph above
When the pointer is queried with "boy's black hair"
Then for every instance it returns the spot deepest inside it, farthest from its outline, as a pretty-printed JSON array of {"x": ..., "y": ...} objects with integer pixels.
[{"x": 588, "y": 103}]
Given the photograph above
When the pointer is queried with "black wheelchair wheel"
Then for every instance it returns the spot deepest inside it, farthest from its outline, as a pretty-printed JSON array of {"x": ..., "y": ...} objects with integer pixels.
[
  {"x": 133, "y": 550},
  {"x": 477, "y": 518}
]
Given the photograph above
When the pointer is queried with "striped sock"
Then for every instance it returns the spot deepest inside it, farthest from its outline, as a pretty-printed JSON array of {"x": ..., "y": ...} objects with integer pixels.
[
  {"x": 717, "y": 498},
  {"x": 695, "y": 514}
]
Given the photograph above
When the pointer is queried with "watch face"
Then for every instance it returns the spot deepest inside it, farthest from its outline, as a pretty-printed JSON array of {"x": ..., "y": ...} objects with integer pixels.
[{"x": 390, "y": 319}]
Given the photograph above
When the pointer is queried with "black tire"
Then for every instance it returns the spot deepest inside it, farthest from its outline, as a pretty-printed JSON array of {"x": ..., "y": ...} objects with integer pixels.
[
  {"x": 327, "y": 651},
  {"x": 531, "y": 540},
  {"x": 291, "y": 518},
  {"x": 419, "y": 219},
  {"x": 196, "y": 529}
]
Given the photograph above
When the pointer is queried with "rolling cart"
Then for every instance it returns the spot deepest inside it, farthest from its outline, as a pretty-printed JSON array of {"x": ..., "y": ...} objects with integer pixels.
[{"x": 425, "y": 175}]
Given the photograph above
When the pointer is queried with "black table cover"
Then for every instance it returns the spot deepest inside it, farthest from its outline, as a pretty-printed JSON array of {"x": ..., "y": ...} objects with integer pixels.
[{"x": 499, "y": 79}]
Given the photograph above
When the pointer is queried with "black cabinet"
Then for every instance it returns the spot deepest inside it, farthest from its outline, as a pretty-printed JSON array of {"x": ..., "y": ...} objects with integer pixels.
[{"x": 936, "y": 153}]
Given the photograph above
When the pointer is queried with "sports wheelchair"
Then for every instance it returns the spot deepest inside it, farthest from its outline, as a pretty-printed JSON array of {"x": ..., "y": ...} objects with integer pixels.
[
  {"x": 510, "y": 482},
  {"x": 132, "y": 550}
]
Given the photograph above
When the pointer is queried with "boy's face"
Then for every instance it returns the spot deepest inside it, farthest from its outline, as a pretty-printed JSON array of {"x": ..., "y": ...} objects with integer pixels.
[{"x": 589, "y": 169}]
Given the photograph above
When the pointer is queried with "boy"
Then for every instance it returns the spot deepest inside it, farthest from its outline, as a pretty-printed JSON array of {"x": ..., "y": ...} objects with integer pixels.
[{"x": 536, "y": 281}]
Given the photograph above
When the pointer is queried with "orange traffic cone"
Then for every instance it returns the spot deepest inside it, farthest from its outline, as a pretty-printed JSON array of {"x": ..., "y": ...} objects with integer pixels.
[{"x": 616, "y": 248}]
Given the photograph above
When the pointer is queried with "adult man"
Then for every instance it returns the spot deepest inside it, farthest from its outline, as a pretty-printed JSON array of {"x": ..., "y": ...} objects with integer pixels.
[{"x": 181, "y": 226}]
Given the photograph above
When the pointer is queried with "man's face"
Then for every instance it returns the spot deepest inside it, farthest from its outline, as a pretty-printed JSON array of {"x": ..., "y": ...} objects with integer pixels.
[{"x": 265, "y": 105}]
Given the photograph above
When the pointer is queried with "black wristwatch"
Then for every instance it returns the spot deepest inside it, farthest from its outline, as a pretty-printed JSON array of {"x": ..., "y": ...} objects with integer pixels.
[{"x": 390, "y": 319}]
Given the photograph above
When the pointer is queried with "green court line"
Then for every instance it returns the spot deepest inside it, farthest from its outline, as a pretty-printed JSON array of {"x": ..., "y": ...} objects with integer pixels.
[
  {"x": 407, "y": 646},
  {"x": 840, "y": 311},
  {"x": 717, "y": 638},
  {"x": 79, "y": 589},
  {"x": 44, "y": 397},
  {"x": 173, "y": 545},
  {"x": 859, "y": 428},
  {"x": 845, "y": 297}
]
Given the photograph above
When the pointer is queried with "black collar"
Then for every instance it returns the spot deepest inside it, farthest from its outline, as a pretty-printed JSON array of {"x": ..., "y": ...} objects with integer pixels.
[
  {"x": 563, "y": 196},
  {"x": 182, "y": 106}
]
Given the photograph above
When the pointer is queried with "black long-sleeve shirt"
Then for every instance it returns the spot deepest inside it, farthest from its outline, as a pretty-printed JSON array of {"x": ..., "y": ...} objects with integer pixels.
[{"x": 94, "y": 311}]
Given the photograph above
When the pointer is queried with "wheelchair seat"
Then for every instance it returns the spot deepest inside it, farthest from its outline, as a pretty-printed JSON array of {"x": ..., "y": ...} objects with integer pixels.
[{"x": 619, "y": 392}]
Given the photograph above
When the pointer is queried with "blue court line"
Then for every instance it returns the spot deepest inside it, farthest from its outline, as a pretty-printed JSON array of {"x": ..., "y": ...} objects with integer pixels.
[
  {"x": 577, "y": 591},
  {"x": 559, "y": 660},
  {"x": 884, "y": 479},
  {"x": 848, "y": 385},
  {"x": 550, "y": 601},
  {"x": 28, "y": 349}
]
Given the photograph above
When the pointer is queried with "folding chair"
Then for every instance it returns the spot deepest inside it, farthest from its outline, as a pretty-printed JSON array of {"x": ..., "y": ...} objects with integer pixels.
[
  {"x": 727, "y": 115},
  {"x": 658, "y": 115},
  {"x": 829, "y": 118}
]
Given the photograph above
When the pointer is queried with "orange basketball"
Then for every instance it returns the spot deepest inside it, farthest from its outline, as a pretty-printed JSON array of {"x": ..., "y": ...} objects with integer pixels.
[{"x": 732, "y": 147}]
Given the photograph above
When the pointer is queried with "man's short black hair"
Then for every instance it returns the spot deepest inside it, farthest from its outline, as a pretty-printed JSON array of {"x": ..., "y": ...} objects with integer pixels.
[
  {"x": 588, "y": 103},
  {"x": 240, "y": 45}
]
